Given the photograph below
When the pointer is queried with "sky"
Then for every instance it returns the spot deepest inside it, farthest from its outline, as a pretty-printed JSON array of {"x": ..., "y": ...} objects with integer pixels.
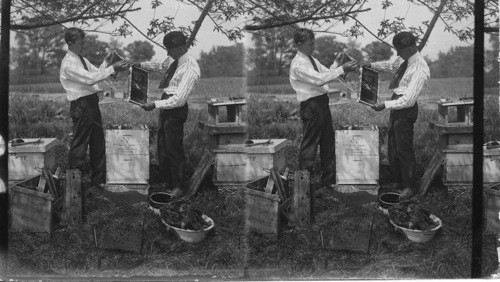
[{"x": 207, "y": 38}]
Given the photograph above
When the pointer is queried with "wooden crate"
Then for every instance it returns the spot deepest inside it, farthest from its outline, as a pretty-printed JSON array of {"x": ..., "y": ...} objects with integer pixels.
[
  {"x": 127, "y": 155},
  {"x": 25, "y": 161},
  {"x": 30, "y": 210},
  {"x": 239, "y": 164},
  {"x": 261, "y": 213},
  {"x": 357, "y": 156},
  {"x": 458, "y": 165}
]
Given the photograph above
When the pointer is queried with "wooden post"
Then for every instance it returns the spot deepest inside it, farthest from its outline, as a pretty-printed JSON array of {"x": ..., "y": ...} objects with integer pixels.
[
  {"x": 73, "y": 204},
  {"x": 207, "y": 160},
  {"x": 301, "y": 212}
]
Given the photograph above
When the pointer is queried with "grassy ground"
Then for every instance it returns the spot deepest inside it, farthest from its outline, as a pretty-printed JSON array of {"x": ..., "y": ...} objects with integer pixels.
[{"x": 230, "y": 252}]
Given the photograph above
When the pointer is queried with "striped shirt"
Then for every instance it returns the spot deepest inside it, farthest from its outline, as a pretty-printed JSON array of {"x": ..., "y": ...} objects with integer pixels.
[
  {"x": 306, "y": 81},
  {"x": 78, "y": 82},
  {"x": 182, "y": 83},
  {"x": 413, "y": 81}
]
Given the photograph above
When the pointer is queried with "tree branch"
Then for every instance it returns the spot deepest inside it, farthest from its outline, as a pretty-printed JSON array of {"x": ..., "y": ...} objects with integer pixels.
[
  {"x": 77, "y": 18},
  {"x": 370, "y": 32},
  {"x": 142, "y": 33},
  {"x": 432, "y": 24},
  {"x": 310, "y": 18},
  {"x": 199, "y": 22}
]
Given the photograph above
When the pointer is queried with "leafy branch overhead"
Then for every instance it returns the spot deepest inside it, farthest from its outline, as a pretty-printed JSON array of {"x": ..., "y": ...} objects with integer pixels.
[{"x": 235, "y": 17}]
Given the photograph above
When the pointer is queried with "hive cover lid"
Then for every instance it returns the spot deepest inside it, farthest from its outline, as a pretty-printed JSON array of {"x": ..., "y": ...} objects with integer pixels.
[{"x": 44, "y": 145}]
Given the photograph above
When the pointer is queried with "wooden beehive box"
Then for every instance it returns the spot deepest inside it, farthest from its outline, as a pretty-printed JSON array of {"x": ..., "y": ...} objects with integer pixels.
[
  {"x": 30, "y": 210},
  {"x": 26, "y": 161},
  {"x": 452, "y": 134},
  {"x": 458, "y": 165},
  {"x": 455, "y": 112},
  {"x": 224, "y": 134},
  {"x": 357, "y": 156},
  {"x": 261, "y": 213},
  {"x": 127, "y": 155},
  {"x": 233, "y": 111},
  {"x": 240, "y": 164}
]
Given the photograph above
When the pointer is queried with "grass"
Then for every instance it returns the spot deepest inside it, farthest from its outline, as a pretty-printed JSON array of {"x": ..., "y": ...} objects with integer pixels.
[{"x": 230, "y": 252}]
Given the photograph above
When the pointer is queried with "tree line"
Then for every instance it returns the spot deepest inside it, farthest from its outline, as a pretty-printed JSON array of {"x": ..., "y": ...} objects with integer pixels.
[{"x": 40, "y": 51}]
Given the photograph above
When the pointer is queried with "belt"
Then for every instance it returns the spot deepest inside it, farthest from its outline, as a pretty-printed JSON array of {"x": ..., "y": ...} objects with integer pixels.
[{"x": 321, "y": 96}]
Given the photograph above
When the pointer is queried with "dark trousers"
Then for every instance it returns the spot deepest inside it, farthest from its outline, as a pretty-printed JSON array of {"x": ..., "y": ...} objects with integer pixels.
[
  {"x": 317, "y": 129},
  {"x": 88, "y": 133},
  {"x": 400, "y": 145},
  {"x": 171, "y": 157}
]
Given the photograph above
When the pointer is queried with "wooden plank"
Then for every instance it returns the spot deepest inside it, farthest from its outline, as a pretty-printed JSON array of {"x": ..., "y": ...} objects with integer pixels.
[
  {"x": 284, "y": 207},
  {"x": 212, "y": 128},
  {"x": 301, "y": 199},
  {"x": 73, "y": 203},
  {"x": 450, "y": 129},
  {"x": 41, "y": 184},
  {"x": 261, "y": 213},
  {"x": 431, "y": 170},
  {"x": 207, "y": 160},
  {"x": 269, "y": 185},
  {"x": 278, "y": 183},
  {"x": 48, "y": 177}
]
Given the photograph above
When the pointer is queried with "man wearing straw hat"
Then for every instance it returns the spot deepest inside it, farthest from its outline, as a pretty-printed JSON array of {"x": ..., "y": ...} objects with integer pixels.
[
  {"x": 181, "y": 73},
  {"x": 411, "y": 72},
  {"x": 309, "y": 78}
]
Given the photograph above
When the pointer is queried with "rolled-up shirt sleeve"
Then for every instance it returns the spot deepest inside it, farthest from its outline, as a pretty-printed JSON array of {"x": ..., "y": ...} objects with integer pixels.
[
  {"x": 95, "y": 75},
  {"x": 156, "y": 65},
  {"x": 387, "y": 66},
  {"x": 321, "y": 78}
]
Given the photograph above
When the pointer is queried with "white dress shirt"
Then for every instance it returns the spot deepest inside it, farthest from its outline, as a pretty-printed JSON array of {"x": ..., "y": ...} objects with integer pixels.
[
  {"x": 182, "y": 83},
  {"x": 413, "y": 81},
  {"x": 308, "y": 82},
  {"x": 77, "y": 81}
]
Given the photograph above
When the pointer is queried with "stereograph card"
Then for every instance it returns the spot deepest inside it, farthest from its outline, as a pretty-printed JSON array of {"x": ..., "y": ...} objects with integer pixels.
[
  {"x": 368, "y": 86},
  {"x": 138, "y": 85}
]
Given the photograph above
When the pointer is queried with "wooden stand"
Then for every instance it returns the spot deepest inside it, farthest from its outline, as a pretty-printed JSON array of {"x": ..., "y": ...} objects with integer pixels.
[
  {"x": 454, "y": 128},
  {"x": 225, "y": 130},
  {"x": 455, "y": 112}
]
